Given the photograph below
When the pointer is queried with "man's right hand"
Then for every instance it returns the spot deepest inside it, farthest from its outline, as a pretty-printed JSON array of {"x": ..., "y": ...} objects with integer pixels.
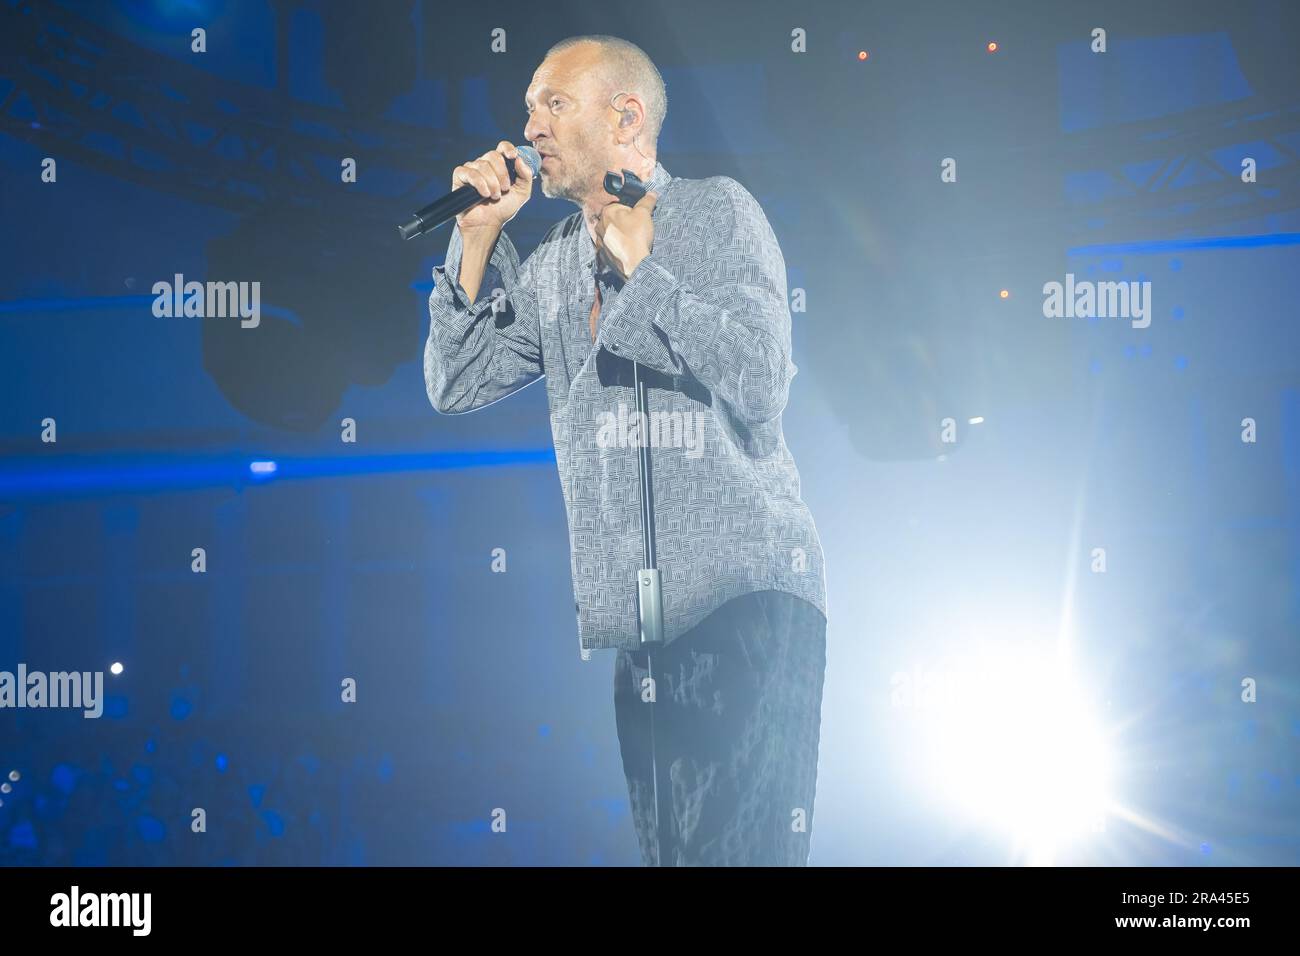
[{"x": 488, "y": 175}]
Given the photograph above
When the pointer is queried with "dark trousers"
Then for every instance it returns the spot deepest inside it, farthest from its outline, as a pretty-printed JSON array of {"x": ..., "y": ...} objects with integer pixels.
[{"x": 737, "y": 724}]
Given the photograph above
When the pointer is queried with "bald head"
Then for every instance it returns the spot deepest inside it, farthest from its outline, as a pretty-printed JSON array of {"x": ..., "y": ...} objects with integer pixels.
[
  {"x": 619, "y": 66},
  {"x": 595, "y": 105}
]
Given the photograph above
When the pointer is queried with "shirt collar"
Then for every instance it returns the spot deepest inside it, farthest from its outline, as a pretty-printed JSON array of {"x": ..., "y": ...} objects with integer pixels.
[{"x": 658, "y": 179}]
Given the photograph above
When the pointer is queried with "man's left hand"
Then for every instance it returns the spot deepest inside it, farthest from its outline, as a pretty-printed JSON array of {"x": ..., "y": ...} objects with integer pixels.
[{"x": 624, "y": 234}]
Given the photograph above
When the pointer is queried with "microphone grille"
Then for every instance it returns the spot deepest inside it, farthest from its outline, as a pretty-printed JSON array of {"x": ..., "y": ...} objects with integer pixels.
[{"x": 532, "y": 158}]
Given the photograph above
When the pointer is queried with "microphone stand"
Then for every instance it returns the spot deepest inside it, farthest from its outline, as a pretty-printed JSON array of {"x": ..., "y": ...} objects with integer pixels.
[
  {"x": 650, "y": 599},
  {"x": 649, "y": 593}
]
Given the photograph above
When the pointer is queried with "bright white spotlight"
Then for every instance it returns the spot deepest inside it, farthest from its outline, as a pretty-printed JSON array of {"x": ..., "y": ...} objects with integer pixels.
[
  {"x": 116, "y": 668},
  {"x": 1014, "y": 745}
]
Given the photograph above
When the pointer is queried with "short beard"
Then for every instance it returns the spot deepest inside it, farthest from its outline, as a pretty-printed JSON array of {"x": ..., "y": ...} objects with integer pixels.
[
  {"x": 562, "y": 189},
  {"x": 550, "y": 192}
]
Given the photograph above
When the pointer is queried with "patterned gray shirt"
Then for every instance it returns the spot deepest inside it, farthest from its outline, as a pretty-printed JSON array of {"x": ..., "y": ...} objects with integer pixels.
[{"x": 706, "y": 316}]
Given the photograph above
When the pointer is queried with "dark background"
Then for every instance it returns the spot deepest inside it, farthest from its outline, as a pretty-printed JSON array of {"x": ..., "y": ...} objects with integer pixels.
[{"x": 373, "y": 560}]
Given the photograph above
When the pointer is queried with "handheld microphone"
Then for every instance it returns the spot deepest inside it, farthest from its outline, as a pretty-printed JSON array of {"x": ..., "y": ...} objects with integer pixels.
[{"x": 456, "y": 202}]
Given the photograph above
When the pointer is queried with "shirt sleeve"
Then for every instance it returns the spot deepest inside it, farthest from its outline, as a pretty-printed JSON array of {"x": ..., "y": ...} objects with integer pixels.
[
  {"x": 727, "y": 323},
  {"x": 480, "y": 352}
]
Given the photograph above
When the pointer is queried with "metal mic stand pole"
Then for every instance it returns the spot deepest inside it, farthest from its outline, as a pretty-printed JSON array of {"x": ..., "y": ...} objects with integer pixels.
[
  {"x": 629, "y": 189},
  {"x": 650, "y": 603}
]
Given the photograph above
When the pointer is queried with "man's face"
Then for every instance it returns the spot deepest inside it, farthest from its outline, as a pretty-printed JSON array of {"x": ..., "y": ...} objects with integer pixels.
[{"x": 570, "y": 125}]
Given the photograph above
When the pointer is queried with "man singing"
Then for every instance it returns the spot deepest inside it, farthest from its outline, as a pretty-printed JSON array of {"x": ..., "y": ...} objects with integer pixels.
[{"x": 691, "y": 284}]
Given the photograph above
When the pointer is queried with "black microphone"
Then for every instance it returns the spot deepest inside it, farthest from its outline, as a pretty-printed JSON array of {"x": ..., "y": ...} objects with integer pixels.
[{"x": 454, "y": 203}]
